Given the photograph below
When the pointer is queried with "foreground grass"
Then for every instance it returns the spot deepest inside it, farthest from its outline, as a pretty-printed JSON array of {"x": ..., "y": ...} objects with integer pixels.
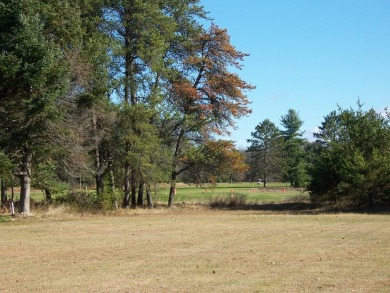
[{"x": 196, "y": 250}]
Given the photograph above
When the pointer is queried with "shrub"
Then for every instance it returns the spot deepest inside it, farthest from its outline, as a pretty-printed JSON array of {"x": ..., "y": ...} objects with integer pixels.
[
  {"x": 233, "y": 201},
  {"x": 80, "y": 199},
  {"x": 108, "y": 200}
]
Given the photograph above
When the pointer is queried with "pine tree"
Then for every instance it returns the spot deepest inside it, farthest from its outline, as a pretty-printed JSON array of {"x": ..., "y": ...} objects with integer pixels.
[
  {"x": 33, "y": 75},
  {"x": 204, "y": 95},
  {"x": 294, "y": 155},
  {"x": 352, "y": 164},
  {"x": 266, "y": 151}
]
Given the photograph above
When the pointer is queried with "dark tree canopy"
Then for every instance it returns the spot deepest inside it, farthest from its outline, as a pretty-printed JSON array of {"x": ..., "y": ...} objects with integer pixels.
[{"x": 352, "y": 164}]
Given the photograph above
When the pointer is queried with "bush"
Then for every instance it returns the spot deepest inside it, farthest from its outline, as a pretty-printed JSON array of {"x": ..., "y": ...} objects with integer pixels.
[
  {"x": 80, "y": 199},
  {"x": 233, "y": 201},
  {"x": 108, "y": 200}
]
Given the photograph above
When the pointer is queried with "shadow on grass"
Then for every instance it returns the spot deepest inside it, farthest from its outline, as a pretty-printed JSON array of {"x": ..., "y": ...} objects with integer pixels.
[
  {"x": 285, "y": 207},
  {"x": 297, "y": 206}
]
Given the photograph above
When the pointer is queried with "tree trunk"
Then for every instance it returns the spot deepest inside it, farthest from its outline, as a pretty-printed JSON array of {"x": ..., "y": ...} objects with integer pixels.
[
  {"x": 97, "y": 158},
  {"x": 133, "y": 190},
  {"x": 111, "y": 172},
  {"x": 12, "y": 191},
  {"x": 3, "y": 192},
  {"x": 25, "y": 181},
  {"x": 48, "y": 195},
  {"x": 370, "y": 200},
  {"x": 126, "y": 199},
  {"x": 12, "y": 207},
  {"x": 127, "y": 99},
  {"x": 99, "y": 184},
  {"x": 149, "y": 197},
  {"x": 174, "y": 166},
  {"x": 172, "y": 189},
  {"x": 140, "y": 199}
]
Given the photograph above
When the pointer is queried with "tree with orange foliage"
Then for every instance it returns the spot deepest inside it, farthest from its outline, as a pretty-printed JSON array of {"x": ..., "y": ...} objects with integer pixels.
[
  {"x": 204, "y": 95},
  {"x": 214, "y": 160}
]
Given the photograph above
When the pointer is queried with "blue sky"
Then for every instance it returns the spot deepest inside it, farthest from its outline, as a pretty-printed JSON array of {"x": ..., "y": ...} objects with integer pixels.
[{"x": 308, "y": 55}]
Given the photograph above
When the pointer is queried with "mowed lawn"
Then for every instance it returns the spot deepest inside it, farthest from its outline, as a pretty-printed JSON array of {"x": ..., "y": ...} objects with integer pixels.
[
  {"x": 196, "y": 250},
  {"x": 253, "y": 192}
]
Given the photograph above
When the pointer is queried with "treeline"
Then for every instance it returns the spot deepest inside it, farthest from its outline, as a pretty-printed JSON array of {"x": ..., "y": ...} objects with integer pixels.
[
  {"x": 125, "y": 94},
  {"x": 122, "y": 92},
  {"x": 348, "y": 164}
]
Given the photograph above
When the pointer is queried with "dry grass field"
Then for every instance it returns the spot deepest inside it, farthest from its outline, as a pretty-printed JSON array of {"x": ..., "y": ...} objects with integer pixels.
[{"x": 196, "y": 250}]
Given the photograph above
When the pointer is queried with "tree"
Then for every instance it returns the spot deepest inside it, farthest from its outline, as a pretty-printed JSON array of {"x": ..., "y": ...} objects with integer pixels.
[
  {"x": 148, "y": 34},
  {"x": 95, "y": 86},
  {"x": 147, "y": 155},
  {"x": 352, "y": 163},
  {"x": 212, "y": 160},
  {"x": 33, "y": 74},
  {"x": 266, "y": 150},
  {"x": 294, "y": 165},
  {"x": 85, "y": 82},
  {"x": 204, "y": 95}
]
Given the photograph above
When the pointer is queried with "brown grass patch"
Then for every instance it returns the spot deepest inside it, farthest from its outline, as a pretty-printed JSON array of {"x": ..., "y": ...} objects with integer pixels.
[{"x": 196, "y": 250}]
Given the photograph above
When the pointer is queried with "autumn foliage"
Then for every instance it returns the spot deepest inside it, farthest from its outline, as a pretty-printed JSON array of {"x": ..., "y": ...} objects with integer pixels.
[
  {"x": 208, "y": 97},
  {"x": 215, "y": 160},
  {"x": 206, "y": 88}
]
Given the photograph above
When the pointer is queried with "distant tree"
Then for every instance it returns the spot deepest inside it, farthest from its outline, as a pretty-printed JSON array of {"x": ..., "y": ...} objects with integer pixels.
[
  {"x": 266, "y": 151},
  {"x": 212, "y": 160},
  {"x": 294, "y": 155},
  {"x": 353, "y": 158}
]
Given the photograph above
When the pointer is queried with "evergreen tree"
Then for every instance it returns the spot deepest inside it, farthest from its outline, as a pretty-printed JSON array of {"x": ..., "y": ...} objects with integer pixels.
[
  {"x": 94, "y": 88},
  {"x": 294, "y": 155},
  {"x": 266, "y": 151},
  {"x": 150, "y": 38},
  {"x": 33, "y": 75},
  {"x": 352, "y": 164}
]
